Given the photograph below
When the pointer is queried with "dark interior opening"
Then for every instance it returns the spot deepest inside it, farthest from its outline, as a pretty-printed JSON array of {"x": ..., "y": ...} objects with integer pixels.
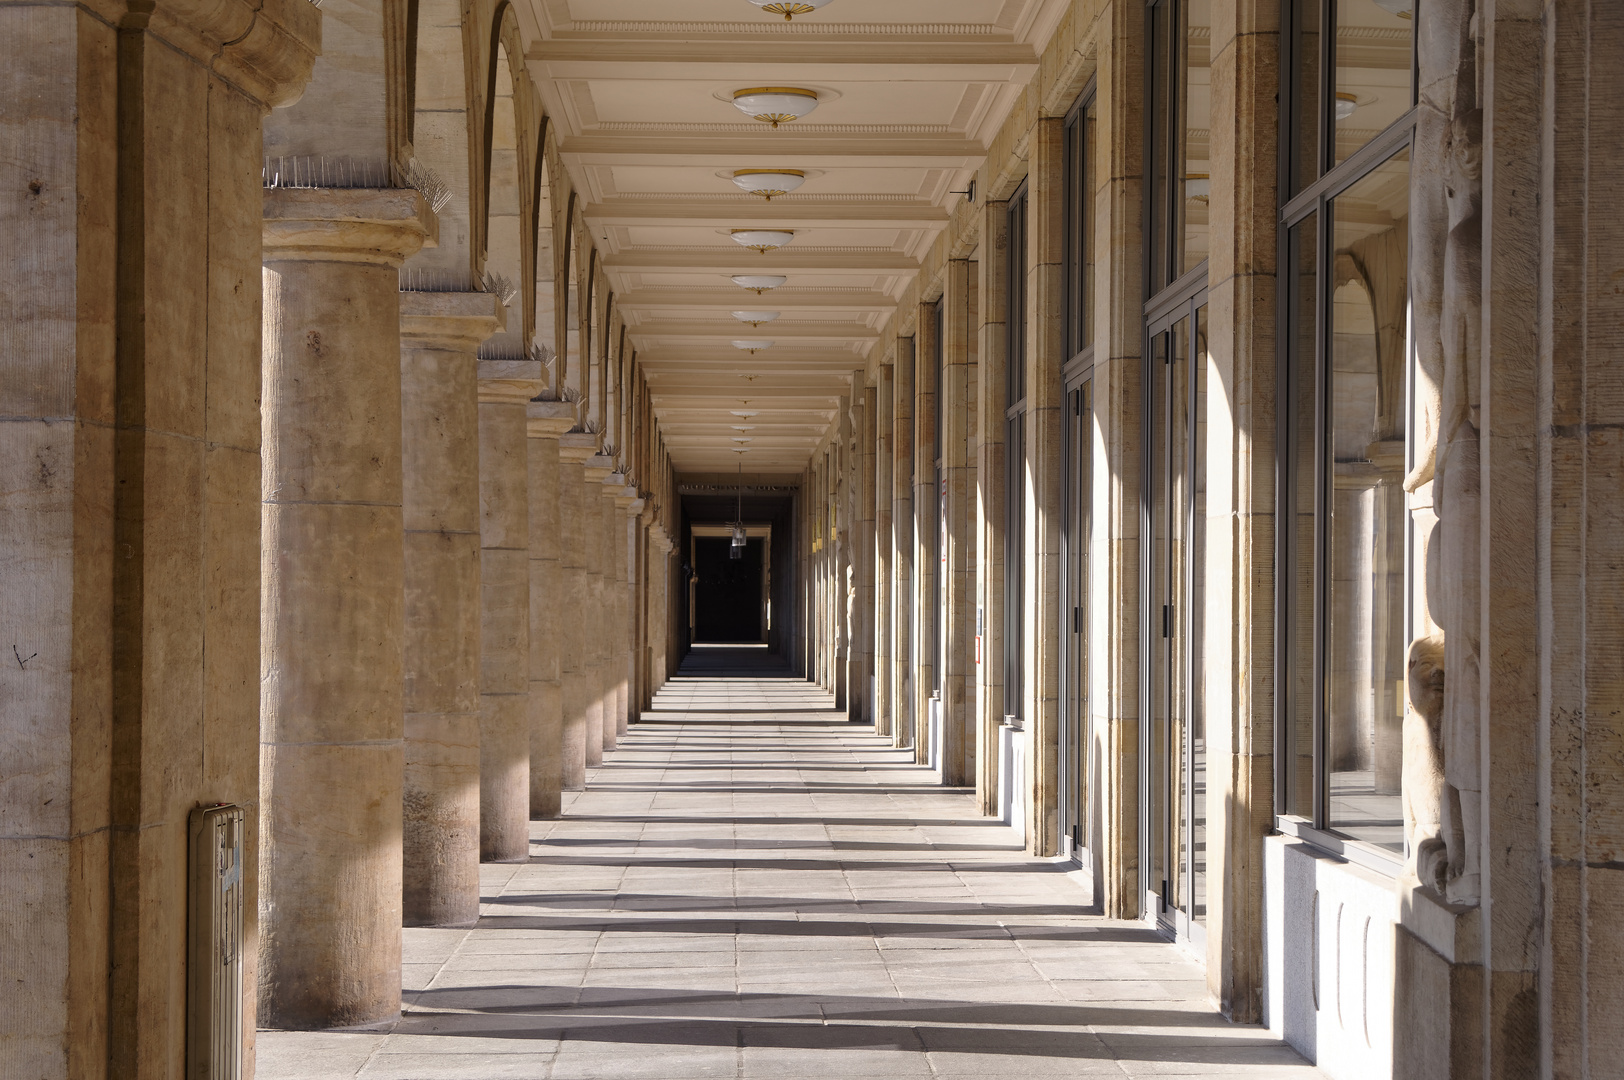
[{"x": 728, "y": 600}]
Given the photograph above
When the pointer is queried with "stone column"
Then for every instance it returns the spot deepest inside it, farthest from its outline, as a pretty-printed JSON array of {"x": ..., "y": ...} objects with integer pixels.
[
  {"x": 129, "y": 564},
  {"x": 547, "y": 420},
  {"x": 440, "y": 467},
  {"x": 902, "y": 454},
  {"x": 505, "y": 386},
  {"x": 956, "y": 652},
  {"x": 860, "y": 702},
  {"x": 927, "y": 564},
  {"x": 627, "y": 508},
  {"x": 991, "y": 359},
  {"x": 332, "y": 594},
  {"x": 1042, "y": 438},
  {"x": 571, "y": 604},
  {"x": 593, "y": 614},
  {"x": 883, "y": 463}
]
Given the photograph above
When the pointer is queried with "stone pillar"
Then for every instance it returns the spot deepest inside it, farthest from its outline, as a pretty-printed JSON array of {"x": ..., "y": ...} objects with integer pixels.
[
  {"x": 332, "y": 594},
  {"x": 571, "y": 603},
  {"x": 547, "y": 420},
  {"x": 956, "y": 653},
  {"x": 440, "y": 473},
  {"x": 926, "y": 562},
  {"x": 991, "y": 358},
  {"x": 884, "y": 670},
  {"x": 627, "y": 507},
  {"x": 505, "y": 386},
  {"x": 129, "y": 564},
  {"x": 840, "y": 553},
  {"x": 1042, "y": 440},
  {"x": 594, "y": 615},
  {"x": 860, "y": 702},
  {"x": 902, "y": 467}
]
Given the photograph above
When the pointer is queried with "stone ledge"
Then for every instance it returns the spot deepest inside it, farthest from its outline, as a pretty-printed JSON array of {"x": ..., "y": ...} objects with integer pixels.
[
  {"x": 361, "y": 225},
  {"x": 549, "y": 419},
  {"x": 455, "y": 322},
  {"x": 1453, "y": 932}
]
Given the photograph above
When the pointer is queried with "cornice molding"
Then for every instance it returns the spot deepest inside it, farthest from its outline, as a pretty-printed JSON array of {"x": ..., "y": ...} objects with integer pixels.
[{"x": 792, "y": 29}]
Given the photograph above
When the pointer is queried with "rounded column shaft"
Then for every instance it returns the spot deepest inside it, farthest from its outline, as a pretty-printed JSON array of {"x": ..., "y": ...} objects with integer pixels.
[
  {"x": 505, "y": 386},
  {"x": 571, "y": 605},
  {"x": 331, "y": 612},
  {"x": 547, "y": 420}
]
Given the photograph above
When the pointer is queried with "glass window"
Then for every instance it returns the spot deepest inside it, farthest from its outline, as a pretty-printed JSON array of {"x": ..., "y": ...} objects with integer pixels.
[
  {"x": 1303, "y": 110},
  {"x": 1079, "y": 209},
  {"x": 1374, "y": 63},
  {"x": 1180, "y": 117},
  {"x": 1299, "y": 513},
  {"x": 1014, "y": 450},
  {"x": 1364, "y": 701}
]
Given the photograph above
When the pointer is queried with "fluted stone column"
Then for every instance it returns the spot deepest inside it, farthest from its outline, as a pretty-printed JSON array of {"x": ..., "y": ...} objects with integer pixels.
[
  {"x": 547, "y": 420},
  {"x": 505, "y": 389},
  {"x": 331, "y": 716},
  {"x": 440, "y": 333},
  {"x": 595, "y": 615},
  {"x": 570, "y": 605}
]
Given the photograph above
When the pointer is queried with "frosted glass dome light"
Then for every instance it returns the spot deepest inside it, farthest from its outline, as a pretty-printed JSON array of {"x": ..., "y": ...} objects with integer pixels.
[
  {"x": 769, "y": 182},
  {"x": 759, "y": 283},
  {"x": 762, "y": 240},
  {"x": 755, "y": 318},
  {"x": 789, "y": 8},
  {"x": 775, "y": 104},
  {"x": 752, "y": 346}
]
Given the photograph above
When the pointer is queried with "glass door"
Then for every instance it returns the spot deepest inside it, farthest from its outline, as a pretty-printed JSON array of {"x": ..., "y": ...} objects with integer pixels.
[
  {"x": 1175, "y": 734},
  {"x": 1076, "y": 751}
]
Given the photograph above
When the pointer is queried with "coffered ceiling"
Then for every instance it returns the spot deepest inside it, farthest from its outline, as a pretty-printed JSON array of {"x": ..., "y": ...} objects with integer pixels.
[{"x": 640, "y": 91}]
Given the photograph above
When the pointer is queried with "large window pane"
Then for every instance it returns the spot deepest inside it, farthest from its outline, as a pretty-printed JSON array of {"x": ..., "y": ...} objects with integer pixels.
[
  {"x": 1194, "y": 135},
  {"x": 1364, "y": 620},
  {"x": 1373, "y": 69},
  {"x": 1298, "y": 504},
  {"x": 1304, "y": 111},
  {"x": 1080, "y": 129}
]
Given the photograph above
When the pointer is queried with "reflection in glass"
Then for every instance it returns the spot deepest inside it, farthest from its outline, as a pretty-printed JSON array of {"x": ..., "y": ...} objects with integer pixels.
[
  {"x": 1373, "y": 69},
  {"x": 1194, "y": 136},
  {"x": 1305, "y": 102},
  {"x": 1195, "y": 630},
  {"x": 1080, "y": 128},
  {"x": 1364, "y": 620},
  {"x": 1302, "y": 250}
]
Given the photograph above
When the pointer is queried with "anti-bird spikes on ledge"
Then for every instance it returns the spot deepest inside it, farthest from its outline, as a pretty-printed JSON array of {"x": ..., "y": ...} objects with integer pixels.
[{"x": 320, "y": 171}]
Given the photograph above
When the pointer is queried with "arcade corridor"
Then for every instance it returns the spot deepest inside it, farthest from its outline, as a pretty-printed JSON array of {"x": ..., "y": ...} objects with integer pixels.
[{"x": 752, "y": 887}]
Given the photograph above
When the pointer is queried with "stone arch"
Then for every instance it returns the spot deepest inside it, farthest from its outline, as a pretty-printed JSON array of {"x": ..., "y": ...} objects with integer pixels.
[{"x": 440, "y": 132}]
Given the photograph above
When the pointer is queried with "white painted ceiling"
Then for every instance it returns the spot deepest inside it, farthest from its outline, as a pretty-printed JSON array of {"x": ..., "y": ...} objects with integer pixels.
[{"x": 910, "y": 95}]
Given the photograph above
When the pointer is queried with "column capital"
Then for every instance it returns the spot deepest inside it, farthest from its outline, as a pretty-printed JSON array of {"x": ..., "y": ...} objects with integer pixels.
[
  {"x": 380, "y": 226},
  {"x": 598, "y": 468},
  {"x": 577, "y": 447},
  {"x": 510, "y": 382},
  {"x": 549, "y": 419},
  {"x": 450, "y": 321},
  {"x": 266, "y": 48}
]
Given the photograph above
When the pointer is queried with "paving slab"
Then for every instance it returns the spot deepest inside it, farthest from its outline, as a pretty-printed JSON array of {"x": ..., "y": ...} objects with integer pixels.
[{"x": 752, "y": 888}]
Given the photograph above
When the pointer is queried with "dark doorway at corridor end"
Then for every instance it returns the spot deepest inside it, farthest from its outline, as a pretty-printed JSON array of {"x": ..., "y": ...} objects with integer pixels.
[{"x": 730, "y": 595}]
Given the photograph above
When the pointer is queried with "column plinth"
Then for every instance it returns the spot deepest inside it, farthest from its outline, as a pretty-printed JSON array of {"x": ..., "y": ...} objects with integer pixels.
[
  {"x": 332, "y": 599},
  {"x": 505, "y": 388}
]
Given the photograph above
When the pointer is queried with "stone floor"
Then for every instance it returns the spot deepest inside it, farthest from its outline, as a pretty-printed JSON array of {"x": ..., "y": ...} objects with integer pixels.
[{"x": 750, "y": 888}]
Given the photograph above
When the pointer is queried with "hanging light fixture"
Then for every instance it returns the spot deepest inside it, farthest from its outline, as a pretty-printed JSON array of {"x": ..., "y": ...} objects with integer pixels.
[
  {"x": 762, "y": 240},
  {"x": 759, "y": 283},
  {"x": 755, "y": 318},
  {"x": 769, "y": 182},
  {"x": 775, "y": 104},
  {"x": 789, "y": 8},
  {"x": 752, "y": 347},
  {"x": 1346, "y": 103},
  {"x": 740, "y": 537}
]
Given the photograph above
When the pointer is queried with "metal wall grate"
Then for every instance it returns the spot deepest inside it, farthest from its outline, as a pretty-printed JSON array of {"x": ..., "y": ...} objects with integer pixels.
[{"x": 214, "y": 1034}]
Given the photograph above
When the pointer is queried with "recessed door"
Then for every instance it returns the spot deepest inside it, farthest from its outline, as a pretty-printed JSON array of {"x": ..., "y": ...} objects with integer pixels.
[{"x": 1175, "y": 731}]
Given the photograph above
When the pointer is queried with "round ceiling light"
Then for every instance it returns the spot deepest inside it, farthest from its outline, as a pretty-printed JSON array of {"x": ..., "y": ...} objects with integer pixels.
[
  {"x": 789, "y": 8},
  {"x": 1346, "y": 103},
  {"x": 752, "y": 347},
  {"x": 755, "y": 318},
  {"x": 769, "y": 182},
  {"x": 775, "y": 104},
  {"x": 747, "y": 414},
  {"x": 759, "y": 283},
  {"x": 762, "y": 240}
]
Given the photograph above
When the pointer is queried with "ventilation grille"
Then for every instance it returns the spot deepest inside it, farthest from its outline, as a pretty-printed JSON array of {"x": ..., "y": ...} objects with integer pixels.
[{"x": 214, "y": 945}]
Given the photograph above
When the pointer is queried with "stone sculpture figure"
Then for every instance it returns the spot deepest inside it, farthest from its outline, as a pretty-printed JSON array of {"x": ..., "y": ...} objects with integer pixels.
[{"x": 1446, "y": 206}]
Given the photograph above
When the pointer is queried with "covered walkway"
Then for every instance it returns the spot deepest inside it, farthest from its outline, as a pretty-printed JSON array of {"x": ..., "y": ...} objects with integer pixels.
[{"x": 752, "y": 887}]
